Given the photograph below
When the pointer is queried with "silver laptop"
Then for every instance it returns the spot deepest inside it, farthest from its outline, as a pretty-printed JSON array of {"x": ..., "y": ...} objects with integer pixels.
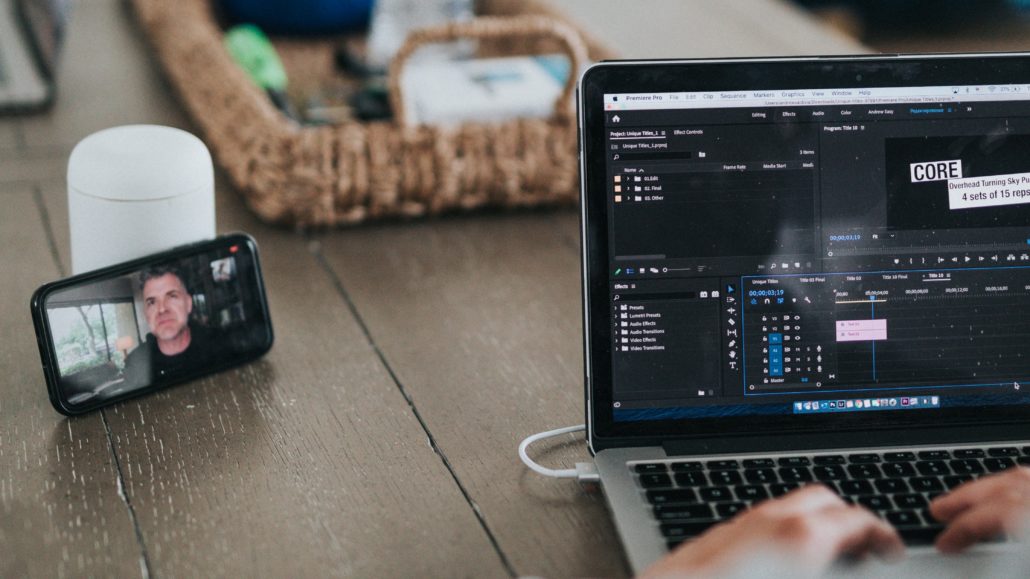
[
  {"x": 803, "y": 270},
  {"x": 31, "y": 33}
]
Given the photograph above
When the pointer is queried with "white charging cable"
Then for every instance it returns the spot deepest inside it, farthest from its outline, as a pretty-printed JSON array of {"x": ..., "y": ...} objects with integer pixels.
[{"x": 584, "y": 471}]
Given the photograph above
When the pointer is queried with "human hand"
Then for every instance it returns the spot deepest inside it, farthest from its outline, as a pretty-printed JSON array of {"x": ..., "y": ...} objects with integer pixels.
[
  {"x": 811, "y": 526},
  {"x": 983, "y": 509}
]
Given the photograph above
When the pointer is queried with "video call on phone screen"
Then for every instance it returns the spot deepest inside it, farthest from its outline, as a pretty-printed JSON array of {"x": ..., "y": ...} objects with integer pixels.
[{"x": 166, "y": 322}]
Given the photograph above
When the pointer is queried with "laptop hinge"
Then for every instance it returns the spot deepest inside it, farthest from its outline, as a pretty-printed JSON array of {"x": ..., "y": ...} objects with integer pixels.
[{"x": 823, "y": 440}]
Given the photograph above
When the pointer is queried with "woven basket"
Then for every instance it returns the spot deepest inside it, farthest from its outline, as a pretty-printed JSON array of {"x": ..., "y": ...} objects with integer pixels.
[{"x": 356, "y": 172}]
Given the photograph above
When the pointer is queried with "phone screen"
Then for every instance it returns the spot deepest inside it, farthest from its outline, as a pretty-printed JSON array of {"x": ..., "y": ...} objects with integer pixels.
[{"x": 155, "y": 322}]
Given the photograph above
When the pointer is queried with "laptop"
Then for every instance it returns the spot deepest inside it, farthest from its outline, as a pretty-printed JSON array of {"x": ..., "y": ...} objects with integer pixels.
[
  {"x": 31, "y": 33},
  {"x": 803, "y": 270}
]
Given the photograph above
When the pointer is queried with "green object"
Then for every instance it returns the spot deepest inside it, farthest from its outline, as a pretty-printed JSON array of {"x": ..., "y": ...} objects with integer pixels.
[{"x": 252, "y": 50}]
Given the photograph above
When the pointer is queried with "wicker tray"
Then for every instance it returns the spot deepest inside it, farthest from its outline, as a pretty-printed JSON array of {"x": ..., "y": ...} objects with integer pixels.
[{"x": 356, "y": 172}]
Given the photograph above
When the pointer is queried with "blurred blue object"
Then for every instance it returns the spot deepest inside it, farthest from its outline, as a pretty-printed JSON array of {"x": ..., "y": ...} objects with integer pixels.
[{"x": 300, "y": 16}]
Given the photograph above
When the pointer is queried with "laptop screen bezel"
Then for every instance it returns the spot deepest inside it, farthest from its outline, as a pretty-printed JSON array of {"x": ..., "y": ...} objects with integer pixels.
[
  {"x": 42, "y": 22},
  {"x": 749, "y": 74}
]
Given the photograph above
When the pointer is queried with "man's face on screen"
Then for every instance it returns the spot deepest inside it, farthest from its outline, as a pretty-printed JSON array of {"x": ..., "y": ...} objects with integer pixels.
[{"x": 167, "y": 306}]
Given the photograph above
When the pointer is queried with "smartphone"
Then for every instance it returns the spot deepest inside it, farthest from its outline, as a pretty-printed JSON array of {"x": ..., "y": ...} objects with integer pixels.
[{"x": 139, "y": 326}]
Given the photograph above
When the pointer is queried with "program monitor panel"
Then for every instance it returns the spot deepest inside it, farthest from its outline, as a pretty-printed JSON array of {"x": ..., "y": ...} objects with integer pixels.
[{"x": 793, "y": 251}]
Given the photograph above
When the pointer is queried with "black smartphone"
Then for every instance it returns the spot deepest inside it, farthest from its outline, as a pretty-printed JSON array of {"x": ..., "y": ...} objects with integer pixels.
[{"x": 142, "y": 325}]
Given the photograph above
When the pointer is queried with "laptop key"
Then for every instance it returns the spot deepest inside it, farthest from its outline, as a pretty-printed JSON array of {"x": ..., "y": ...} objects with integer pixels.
[
  {"x": 864, "y": 458},
  {"x": 898, "y": 469},
  {"x": 655, "y": 481},
  {"x": 864, "y": 471},
  {"x": 794, "y": 461},
  {"x": 926, "y": 484},
  {"x": 650, "y": 468},
  {"x": 966, "y": 466},
  {"x": 1023, "y": 460},
  {"x": 759, "y": 463},
  {"x": 932, "y": 468},
  {"x": 829, "y": 459},
  {"x": 683, "y": 531},
  {"x": 685, "y": 512},
  {"x": 780, "y": 489},
  {"x": 723, "y": 465},
  {"x": 829, "y": 472},
  {"x": 832, "y": 485},
  {"x": 715, "y": 494},
  {"x": 795, "y": 474},
  {"x": 951, "y": 482},
  {"x": 691, "y": 479},
  {"x": 998, "y": 464},
  {"x": 875, "y": 502},
  {"x": 921, "y": 535},
  {"x": 752, "y": 493},
  {"x": 672, "y": 497},
  {"x": 690, "y": 466},
  {"x": 727, "y": 510},
  {"x": 969, "y": 453},
  {"x": 856, "y": 487},
  {"x": 673, "y": 544},
  {"x": 928, "y": 516},
  {"x": 892, "y": 486},
  {"x": 903, "y": 518},
  {"x": 910, "y": 501},
  {"x": 724, "y": 477},
  {"x": 934, "y": 455},
  {"x": 1003, "y": 451},
  {"x": 899, "y": 456},
  {"x": 761, "y": 475}
]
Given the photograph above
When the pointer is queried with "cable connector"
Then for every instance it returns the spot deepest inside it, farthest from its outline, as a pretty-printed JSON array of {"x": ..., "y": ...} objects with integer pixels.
[{"x": 585, "y": 472}]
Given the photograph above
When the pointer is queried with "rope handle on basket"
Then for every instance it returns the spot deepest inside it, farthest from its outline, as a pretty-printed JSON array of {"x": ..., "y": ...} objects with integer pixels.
[{"x": 491, "y": 27}]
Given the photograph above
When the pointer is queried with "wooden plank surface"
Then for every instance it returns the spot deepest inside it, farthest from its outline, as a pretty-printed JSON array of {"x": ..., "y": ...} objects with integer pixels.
[
  {"x": 10, "y": 137},
  {"x": 479, "y": 319},
  {"x": 306, "y": 463},
  {"x": 28, "y": 167},
  {"x": 705, "y": 28},
  {"x": 309, "y": 462},
  {"x": 61, "y": 509}
]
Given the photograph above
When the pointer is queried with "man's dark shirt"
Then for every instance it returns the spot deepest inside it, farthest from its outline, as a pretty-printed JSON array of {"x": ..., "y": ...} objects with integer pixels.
[{"x": 147, "y": 364}]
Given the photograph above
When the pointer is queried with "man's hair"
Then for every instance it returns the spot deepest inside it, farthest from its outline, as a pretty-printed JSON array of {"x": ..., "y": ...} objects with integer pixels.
[{"x": 160, "y": 271}]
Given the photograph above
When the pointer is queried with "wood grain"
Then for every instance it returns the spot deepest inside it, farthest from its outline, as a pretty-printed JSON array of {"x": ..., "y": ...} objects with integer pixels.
[
  {"x": 480, "y": 321},
  {"x": 61, "y": 514},
  {"x": 10, "y": 137},
  {"x": 306, "y": 463},
  {"x": 26, "y": 168}
]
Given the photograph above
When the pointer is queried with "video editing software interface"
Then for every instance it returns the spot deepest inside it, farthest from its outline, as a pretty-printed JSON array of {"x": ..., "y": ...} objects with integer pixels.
[{"x": 818, "y": 251}]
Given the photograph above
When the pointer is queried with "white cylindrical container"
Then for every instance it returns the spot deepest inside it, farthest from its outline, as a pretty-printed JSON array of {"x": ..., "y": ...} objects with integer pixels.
[{"x": 136, "y": 190}]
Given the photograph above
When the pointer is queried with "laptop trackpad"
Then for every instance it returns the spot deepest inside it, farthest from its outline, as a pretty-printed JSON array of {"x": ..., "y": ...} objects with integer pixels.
[{"x": 999, "y": 561}]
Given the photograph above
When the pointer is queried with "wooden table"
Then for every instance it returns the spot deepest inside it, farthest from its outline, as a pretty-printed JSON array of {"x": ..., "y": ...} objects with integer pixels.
[{"x": 378, "y": 436}]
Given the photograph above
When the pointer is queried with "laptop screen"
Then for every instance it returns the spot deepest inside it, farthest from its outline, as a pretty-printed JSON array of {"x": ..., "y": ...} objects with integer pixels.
[{"x": 790, "y": 245}]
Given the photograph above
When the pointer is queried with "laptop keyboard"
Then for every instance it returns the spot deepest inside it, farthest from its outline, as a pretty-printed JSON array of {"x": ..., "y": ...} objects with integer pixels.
[{"x": 687, "y": 497}]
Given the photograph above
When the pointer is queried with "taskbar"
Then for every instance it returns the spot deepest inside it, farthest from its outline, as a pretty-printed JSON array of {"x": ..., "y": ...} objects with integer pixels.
[
  {"x": 932, "y": 402},
  {"x": 867, "y": 404}
]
